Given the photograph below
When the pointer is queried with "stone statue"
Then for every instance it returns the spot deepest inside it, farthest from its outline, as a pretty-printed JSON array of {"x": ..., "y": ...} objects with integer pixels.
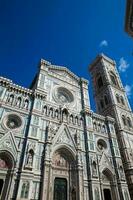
[
  {"x": 29, "y": 159},
  {"x": 26, "y": 104},
  {"x": 94, "y": 169}
]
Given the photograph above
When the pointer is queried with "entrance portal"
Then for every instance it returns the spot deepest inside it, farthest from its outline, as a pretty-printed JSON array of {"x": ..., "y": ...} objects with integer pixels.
[
  {"x": 60, "y": 189},
  {"x": 6, "y": 166},
  {"x": 107, "y": 194},
  {"x": 65, "y": 184}
]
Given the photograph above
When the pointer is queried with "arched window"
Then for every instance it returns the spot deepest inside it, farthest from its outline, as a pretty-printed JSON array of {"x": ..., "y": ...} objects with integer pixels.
[
  {"x": 71, "y": 119},
  {"x": 45, "y": 110},
  {"x": 117, "y": 98},
  {"x": 124, "y": 120},
  {"x": 51, "y": 112},
  {"x": 113, "y": 78},
  {"x": 129, "y": 122},
  {"x": 99, "y": 82},
  {"x": 18, "y": 102},
  {"x": 56, "y": 113},
  {"x": 11, "y": 98},
  {"x": 99, "y": 127},
  {"x": 121, "y": 172},
  {"x": 122, "y": 100},
  {"x": 76, "y": 119},
  {"x": 65, "y": 114},
  {"x": 103, "y": 129},
  {"x": 106, "y": 100},
  {"x": 94, "y": 126},
  {"x": 25, "y": 190},
  {"x": 81, "y": 121}
]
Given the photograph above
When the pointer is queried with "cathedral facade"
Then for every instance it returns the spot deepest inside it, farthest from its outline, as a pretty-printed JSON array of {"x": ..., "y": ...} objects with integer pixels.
[{"x": 54, "y": 147}]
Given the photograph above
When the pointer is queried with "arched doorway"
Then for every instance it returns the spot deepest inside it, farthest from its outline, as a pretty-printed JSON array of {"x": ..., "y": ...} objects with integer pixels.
[
  {"x": 6, "y": 167},
  {"x": 107, "y": 194},
  {"x": 60, "y": 189},
  {"x": 64, "y": 175},
  {"x": 109, "y": 185}
]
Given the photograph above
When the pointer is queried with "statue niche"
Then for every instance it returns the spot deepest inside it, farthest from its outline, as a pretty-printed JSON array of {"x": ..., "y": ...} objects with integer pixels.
[
  {"x": 30, "y": 156},
  {"x": 94, "y": 168}
]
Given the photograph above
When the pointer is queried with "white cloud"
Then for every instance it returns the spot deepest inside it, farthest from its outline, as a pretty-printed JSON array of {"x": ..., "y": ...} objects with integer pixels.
[
  {"x": 123, "y": 65},
  {"x": 103, "y": 43},
  {"x": 128, "y": 89}
]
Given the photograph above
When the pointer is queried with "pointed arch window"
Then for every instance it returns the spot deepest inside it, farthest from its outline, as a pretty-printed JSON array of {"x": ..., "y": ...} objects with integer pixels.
[
  {"x": 129, "y": 122},
  {"x": 117, "y": 98},
  {"x": 99, "y": 82},
  {"x": 103, "y": 129},
  {"x": 113, "y": 79},
  {"x": 51, "y": 112},
  {"x": 18, "y": 103},
  {"x": 26, "y": 104},
  {"x": 94, "y": 126},
  {"x": 11, "y": 98},
  {"x": 124, "y": 120},
  {"x": 71, "y": 118},
  {"x": 56, "y": 113},
  {"x": 45, "y": 109},
  {"x": 122, "y": 100}
]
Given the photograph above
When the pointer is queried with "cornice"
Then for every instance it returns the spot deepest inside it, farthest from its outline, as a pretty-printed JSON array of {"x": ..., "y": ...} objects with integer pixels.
[
  {"x": 40, "y": 94},
  {"x": 98, "y": 117},
  {"x": 99, "y": 58},
  {"x": 12, "y": 86},
  {"x": 44, "y": 62},
  {"x": 64, "y": 69}
]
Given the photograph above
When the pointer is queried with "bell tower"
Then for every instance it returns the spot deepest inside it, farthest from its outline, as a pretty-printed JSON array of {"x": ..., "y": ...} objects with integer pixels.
[{"x": 111, "y": 99}]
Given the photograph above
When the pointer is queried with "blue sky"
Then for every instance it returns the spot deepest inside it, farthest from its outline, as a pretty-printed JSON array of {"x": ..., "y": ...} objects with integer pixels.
[{"x": 69, "y": 33}]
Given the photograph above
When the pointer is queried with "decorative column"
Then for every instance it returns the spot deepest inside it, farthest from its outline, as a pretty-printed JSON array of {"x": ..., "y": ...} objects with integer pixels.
[{"x": 46, "y": 177}]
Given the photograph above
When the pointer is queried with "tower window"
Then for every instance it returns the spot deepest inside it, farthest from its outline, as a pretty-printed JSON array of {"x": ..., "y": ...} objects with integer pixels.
[
  {"x": 129, "y": 122},
  {"x": 122, "y": 100},
  {"x": 118, "y": 98},
  {"x": 100, "y": 82},
  {"x": 124, "y": 120},
  {"x": 113, "y": 79}
]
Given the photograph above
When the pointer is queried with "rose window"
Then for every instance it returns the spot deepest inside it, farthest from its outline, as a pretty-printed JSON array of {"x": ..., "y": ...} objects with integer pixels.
[
  {"x": 63, "y": 95},
  {"x": 102, "y": 145},
  {"x": 13, "y": 121}
]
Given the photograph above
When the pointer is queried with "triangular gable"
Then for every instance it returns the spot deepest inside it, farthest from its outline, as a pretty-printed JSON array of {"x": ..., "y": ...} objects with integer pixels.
[
  {"x": 63, "y": 136},
  {"x": 63, "y": 72},
  {"x": 105, "y": 163},
  {"x": 8, "y": 143}
]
